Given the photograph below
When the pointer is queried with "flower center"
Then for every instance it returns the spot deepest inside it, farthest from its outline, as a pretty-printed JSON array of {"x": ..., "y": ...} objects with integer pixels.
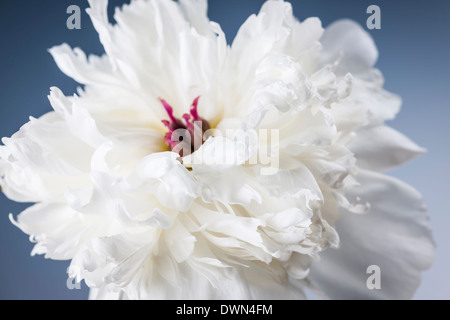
[{"x": 184, "y": 137}]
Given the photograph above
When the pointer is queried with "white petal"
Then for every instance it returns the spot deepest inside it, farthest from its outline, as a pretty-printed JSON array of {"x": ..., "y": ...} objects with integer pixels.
[
  {"x": 346, "y": 40},
  {"x": 227, "y": 186},
  {"x": 306, "y": 129},
  {"x": 137, "y": 47},
  {"x": 180, "y": 242},
  {"x": 382, "y": 148},
  {"x": 219, "y": 153},
  {"x": 175, "y": 186},
  {"x": 241, "y": 228},
  {"x": 368, "y": 92},
  {"x": 95, "y": 71},
  {"x": 274, "y": 28},
  {"x": 58, "y": 231},
  {"x": 159, "y": 182},
  {"x": 274, "y": 31},
  {"x": 113, "y": 259},
  {"x": 285, "y": 219},
  {"x": 394, "y": 235},
  {"x": 237, "y": 236},
  {"x": 46, "y": 144},
  {"x": 196, "y": 12},
  {"x": 293, "y": 184},
  {"x": 79, "y": 122},
  {"x": 286, "y": 231},
  {"x": 42, "y": 160}
]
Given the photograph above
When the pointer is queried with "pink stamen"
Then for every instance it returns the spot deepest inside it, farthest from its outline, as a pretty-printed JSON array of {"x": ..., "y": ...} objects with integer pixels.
[
  {"x": 189, "y": 118},
  {"x": 168, "y": 139},
  {"x": 189, "y": 124},
  {"x": 194, "y": 111},
  {"x": 167, "y": 124},
  {"x": 176, "y": 123}
]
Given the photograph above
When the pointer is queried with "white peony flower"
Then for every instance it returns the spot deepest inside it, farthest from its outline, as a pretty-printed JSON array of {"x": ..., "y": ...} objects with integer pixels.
[{"x": 142, "y": 217}]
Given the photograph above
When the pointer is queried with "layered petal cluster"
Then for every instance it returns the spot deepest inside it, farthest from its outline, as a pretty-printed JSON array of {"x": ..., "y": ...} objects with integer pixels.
[{"x": 137, "y": 221}]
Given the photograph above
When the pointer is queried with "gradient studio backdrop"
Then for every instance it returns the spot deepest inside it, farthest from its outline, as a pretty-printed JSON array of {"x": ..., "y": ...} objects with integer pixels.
[{"x": 414, "y": 47}]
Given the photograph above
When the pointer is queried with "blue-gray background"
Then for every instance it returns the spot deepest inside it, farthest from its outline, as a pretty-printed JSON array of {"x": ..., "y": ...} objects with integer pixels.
[{"x": 414, "y": 45}]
